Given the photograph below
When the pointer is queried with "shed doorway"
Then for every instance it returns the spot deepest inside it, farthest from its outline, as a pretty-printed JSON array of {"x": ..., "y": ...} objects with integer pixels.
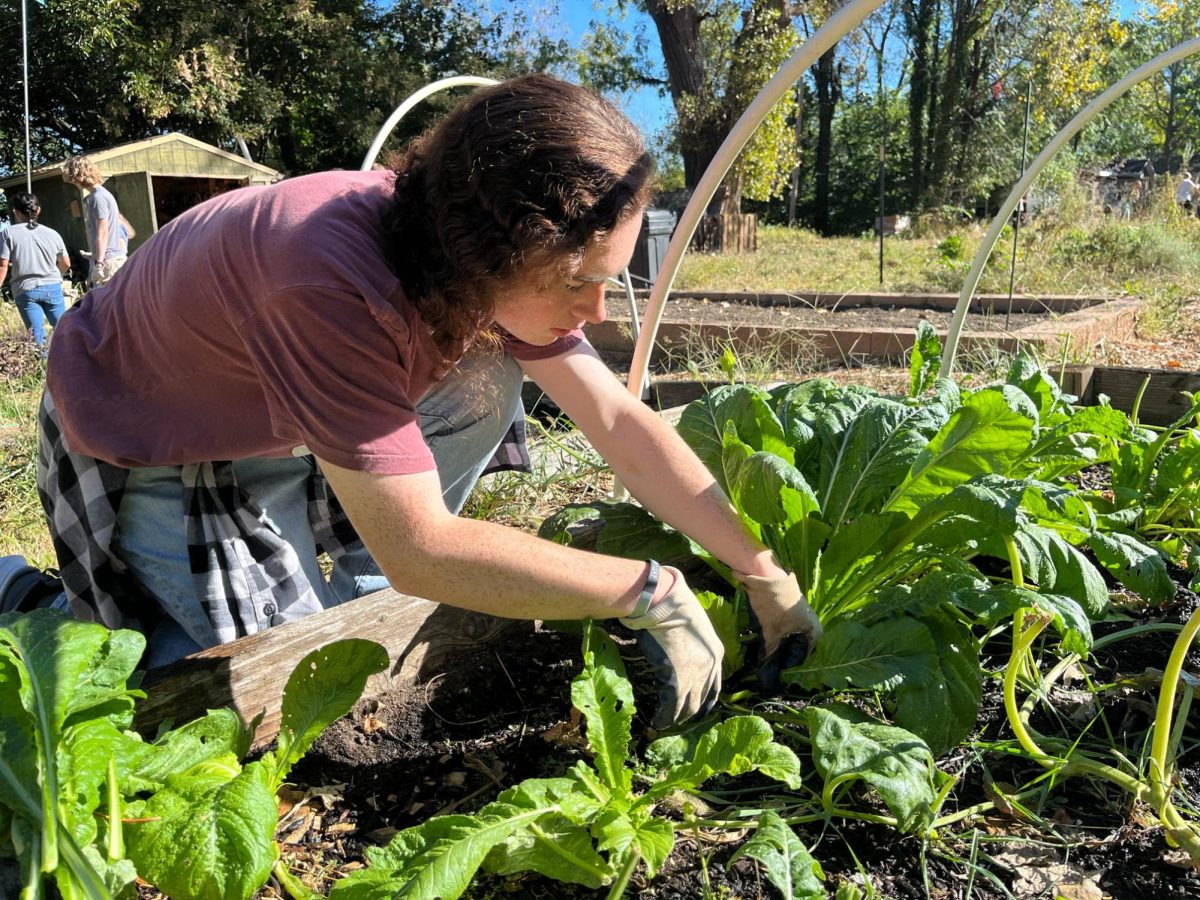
[{"x": 174, "y": 194}]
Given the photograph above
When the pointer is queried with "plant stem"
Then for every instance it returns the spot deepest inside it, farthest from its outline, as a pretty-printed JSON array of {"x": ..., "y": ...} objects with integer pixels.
[
  {"x": 618, "y": 889},
  {"x": 1100, "y": 643},
  {"x": 1023, "y": 638},
  {"x": 1014, "y": 560},
  {"x": 1137, "y": 401},
  {"x": 116, "y": 841},
  {"x": 1160, "y": 763},
  {"x": 296, "y": 888},
  {"x": 961, "y": 814}
]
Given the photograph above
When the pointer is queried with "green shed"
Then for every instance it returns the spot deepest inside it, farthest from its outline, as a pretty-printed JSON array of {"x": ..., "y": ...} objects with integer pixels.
[{"x": 154, "y": 180}]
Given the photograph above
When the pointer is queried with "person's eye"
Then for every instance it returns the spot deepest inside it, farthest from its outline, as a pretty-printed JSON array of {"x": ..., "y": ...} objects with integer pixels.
[{"x": 574, "y": 288}]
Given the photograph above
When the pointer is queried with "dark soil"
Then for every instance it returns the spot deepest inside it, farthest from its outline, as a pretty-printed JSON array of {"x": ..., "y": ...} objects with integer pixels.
[
  {"x": 501, "y": 713},
  {"x": 731, "y": 313}
]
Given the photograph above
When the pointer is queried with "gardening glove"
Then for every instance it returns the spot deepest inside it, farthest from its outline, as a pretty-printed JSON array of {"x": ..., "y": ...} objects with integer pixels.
[
  {"x": 790, "y": 629},
  {"x": 677, "y": 638}
]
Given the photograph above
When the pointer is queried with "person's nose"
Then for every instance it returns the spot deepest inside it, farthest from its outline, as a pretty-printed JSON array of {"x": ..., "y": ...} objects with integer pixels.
[{"x": 590, "y": 306}]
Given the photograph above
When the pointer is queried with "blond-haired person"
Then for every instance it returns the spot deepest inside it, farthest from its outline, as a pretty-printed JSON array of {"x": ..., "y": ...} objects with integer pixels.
[{"x": 102, "y": 219}]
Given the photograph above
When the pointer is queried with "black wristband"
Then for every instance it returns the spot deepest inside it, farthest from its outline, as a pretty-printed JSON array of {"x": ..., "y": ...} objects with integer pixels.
[{"x": 648, "y": 589}]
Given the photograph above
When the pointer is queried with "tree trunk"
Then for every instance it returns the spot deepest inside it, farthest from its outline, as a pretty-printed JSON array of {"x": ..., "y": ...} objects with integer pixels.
[
  {"x": 678, "y": 28},
  {"x": 825, "y": 76},
  {"x": 1170, "y": 128},
  {"x": 918, "y": 18}
]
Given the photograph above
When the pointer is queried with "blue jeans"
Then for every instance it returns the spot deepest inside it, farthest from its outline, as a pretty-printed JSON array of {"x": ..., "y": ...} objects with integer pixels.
[
  {"x": 463, "y": 419},
  {"x": 38, "y": 306}
]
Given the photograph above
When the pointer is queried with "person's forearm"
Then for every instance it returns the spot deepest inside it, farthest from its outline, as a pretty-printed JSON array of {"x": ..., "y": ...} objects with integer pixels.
[
  {"x": 663, "y": 473},
  {"x": 101, "y": 248},
  {"x": 505, "y": 572}
]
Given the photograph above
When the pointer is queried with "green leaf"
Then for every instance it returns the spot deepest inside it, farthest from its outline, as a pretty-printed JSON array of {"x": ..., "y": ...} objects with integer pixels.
[
  {"x": 1001, "y": 602},
  {"x": 926, "y": 359},
  {"x": 984, "y": 435},
  {"x": 702, "y": 424},
  {"x": 729, "y": 620},
  {"x": 879, "y": 656},
  {"x": 655, "y": 839},
  {"x": 218, "y": 732},
  {"x": 61, "y": 667},
  {"x": 1035, "y": 383},
  {"x": 618, "y": 529},
  {"x": 863, "y": 464},
  {"x": 943, "y": 707},
  {"x": 848, "y": 746},
  {"x": 851, "y": 552},
  {"x": 207, "y": 837},
  {"x": 785, "y": 860},
  {"x": 1136, "y": 565},
  {"x": 437, "y": 859},
  {"x": 323, "y": 687},
  {"x": 558, "y": 845},
  {"x": 734, "y": 747},
  {"x": 765, "y": 487},
  {"x": 605, "y": 697},
  {"x": 1055, "y": 567}
]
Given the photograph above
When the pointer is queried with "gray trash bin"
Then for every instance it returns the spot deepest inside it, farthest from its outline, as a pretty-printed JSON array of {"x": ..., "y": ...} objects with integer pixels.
[{"x": 651, "y": 249}]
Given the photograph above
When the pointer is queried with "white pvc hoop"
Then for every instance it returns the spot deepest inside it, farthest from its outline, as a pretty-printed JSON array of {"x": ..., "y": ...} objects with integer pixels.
[
  {"x": 416, "y": 97},
  {"x": 1085, "y": 115},
  {"x": 834, "y": 29}
]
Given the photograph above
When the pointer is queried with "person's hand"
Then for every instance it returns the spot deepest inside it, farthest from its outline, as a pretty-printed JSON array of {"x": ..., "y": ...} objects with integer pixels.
[
  {"x": 790, "y": 629},
  {"x": 677, "y": 638}
]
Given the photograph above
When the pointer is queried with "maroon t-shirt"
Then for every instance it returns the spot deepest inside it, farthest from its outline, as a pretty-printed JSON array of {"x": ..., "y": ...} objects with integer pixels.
[{"x": 264, "y": 319}]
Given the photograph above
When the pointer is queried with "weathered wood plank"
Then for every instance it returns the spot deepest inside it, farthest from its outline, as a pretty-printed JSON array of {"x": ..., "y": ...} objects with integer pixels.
[
  {"x": 1162, "y": 403},
  {"x": 249, "y": 674}
]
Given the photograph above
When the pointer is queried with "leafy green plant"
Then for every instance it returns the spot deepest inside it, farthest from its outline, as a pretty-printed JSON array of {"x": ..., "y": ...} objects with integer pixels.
[
  {"x": 591, "y": 827},
  {"x": 180, "y": 810},
  {"x": 208, "y": 832}
]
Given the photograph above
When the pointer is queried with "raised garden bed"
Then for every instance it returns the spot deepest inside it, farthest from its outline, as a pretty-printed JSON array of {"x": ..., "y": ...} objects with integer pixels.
[
  {"x": 935, "y": 546},
  {"x": 802, "y": 333}
]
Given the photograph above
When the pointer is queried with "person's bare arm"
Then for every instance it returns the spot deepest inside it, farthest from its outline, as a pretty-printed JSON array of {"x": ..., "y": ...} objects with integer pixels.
[
  {"x": 3, "y": 270},
  {"x": 651, "y": 460},
  {"x": 426, "y": 551},
  {"x": 101, "y": 248},
  {"x": 661, "y": 471},
  {"x": 64, "y": 263}
]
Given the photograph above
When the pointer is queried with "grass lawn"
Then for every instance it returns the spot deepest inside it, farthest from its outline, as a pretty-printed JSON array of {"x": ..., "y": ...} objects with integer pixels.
[{"x": 1156, "y": 256}]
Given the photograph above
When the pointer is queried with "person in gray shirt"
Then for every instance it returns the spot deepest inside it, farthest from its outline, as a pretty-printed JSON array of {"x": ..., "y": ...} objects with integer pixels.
[
  {"x": 102, "y": 217},
  {"x": 38, "y": 258}
]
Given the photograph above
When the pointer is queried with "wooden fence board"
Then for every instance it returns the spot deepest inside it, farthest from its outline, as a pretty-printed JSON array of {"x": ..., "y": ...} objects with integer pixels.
[{"x": 249, "y": 674}]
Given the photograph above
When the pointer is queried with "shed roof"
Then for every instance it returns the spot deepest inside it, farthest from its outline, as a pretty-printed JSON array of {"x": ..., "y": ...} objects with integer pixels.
[{"x": 124, "y": 158}]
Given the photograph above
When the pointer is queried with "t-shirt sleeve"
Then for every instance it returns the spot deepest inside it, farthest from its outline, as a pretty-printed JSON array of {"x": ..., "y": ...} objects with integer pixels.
[
  {"x": 106, "y": 210},
  {"x": 336, "y": 381},
  {"x": 518, "y": 349},
  {"x": 5, "y": 245}
]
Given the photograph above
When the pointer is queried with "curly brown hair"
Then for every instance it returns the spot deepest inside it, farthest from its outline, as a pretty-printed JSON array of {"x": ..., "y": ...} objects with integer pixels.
[
  {"x": 81, "y": 170},
  {"x": 519, "y": 174}
]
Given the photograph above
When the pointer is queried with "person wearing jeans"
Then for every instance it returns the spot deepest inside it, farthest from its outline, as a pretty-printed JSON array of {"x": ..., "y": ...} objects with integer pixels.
[{"x": 38, "y": 259}]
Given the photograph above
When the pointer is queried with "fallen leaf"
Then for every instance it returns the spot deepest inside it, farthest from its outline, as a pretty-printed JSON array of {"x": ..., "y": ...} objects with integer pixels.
[
  {"x": 1174, "y": 364},
  {"x": 371, "y": 724}
]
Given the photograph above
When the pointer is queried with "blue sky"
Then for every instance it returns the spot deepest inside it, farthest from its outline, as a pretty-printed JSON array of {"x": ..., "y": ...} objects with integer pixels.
[{"x": 648, "y": 110}]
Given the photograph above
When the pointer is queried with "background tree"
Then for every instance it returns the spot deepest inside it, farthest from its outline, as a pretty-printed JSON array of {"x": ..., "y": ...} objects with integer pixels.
[
  {"x": 718, "y": 55},
  {"x": 305, "y": 82}
]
